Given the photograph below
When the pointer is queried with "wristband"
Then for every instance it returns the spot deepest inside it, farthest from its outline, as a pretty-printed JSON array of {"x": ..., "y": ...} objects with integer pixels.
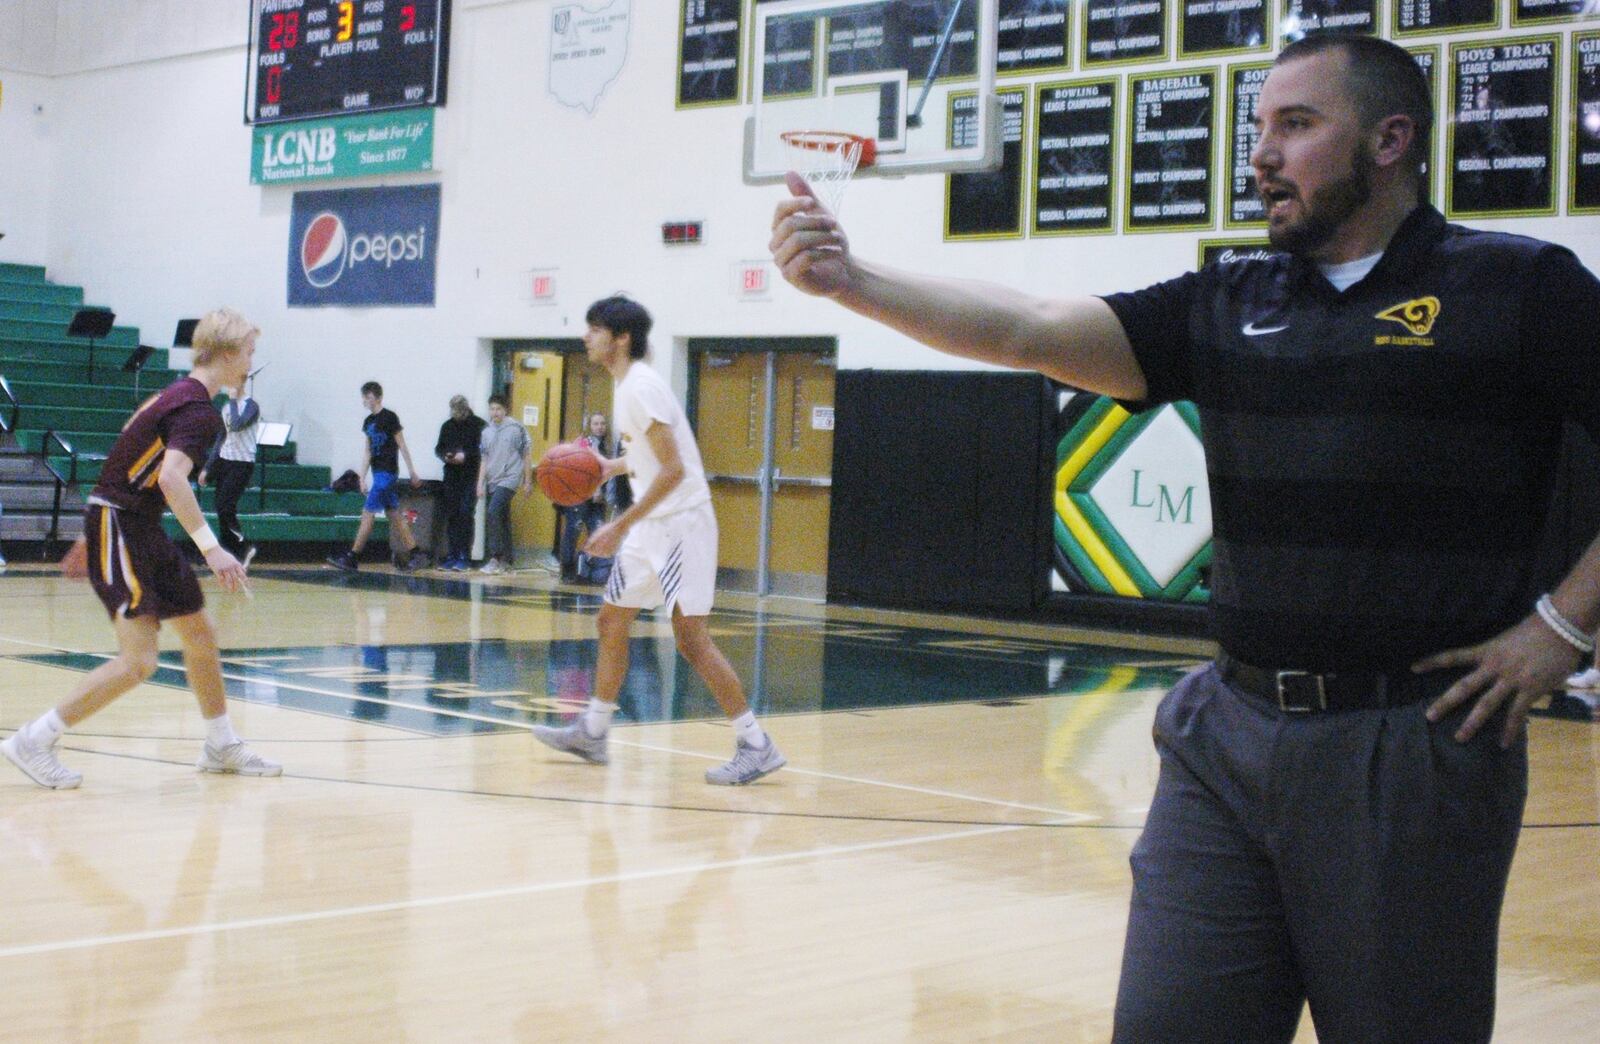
[
  {"x": 1568, "y": 631},
  {"x": 204, "y": 539}
]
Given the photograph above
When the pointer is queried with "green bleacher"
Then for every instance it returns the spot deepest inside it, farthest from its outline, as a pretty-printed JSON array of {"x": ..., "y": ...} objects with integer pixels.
[{"x": 49, "y": 374}]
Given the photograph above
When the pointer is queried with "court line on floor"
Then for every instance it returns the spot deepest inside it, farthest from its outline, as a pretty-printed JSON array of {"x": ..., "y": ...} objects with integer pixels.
[
  {"x": 1066, "y": 822},
  {"x": 1077, "y": 817},
  {"x": 615, "y": 740},
  {"x": 777, "y": 620},
  {"x": 217, "y": 927}
]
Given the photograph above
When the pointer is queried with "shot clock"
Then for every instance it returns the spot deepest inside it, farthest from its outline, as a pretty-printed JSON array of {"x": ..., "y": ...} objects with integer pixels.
[{"x": 312, "y": 58}]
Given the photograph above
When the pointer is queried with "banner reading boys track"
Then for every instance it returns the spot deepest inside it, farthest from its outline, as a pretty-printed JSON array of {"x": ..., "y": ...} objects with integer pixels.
[{"x": 375, "y": 246}]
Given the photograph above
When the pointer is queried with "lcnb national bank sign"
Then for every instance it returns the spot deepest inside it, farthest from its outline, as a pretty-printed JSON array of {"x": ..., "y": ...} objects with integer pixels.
[
  {"x": 1132, "y": 507},
  {"x": 344, "y": 147}
]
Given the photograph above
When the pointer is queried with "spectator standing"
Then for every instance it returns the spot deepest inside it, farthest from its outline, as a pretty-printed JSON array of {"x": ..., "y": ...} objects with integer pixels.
[
  {"x": 506, "y": 466},
  {"x": 457, "y": 448},
  {"x": 591, "y": 514}
]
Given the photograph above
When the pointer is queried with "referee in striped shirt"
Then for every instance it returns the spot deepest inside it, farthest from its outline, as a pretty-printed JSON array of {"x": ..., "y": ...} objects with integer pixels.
[{"x": 232, "y": 461}]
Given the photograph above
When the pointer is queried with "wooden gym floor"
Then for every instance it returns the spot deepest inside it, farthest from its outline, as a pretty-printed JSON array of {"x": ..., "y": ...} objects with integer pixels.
[{"x": 944, "y": 859}]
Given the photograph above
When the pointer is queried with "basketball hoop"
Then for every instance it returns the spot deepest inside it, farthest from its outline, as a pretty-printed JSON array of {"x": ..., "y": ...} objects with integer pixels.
[{"x": 828, "y": 160}]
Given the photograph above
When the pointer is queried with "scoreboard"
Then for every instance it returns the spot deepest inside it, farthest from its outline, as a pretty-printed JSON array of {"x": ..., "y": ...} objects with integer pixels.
[{"x": 312, "y": 58}]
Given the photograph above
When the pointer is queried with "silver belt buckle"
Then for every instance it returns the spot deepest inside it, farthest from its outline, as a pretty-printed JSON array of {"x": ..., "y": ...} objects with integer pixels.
[{"x": 1297, "y": 696}]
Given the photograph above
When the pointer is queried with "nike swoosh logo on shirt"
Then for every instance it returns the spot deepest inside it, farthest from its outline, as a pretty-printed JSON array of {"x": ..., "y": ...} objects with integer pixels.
[{"x": 1252, "y": 330}]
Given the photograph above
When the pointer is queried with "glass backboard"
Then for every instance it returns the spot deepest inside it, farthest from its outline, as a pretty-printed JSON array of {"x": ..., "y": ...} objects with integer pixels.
[{"x": 901, "y": 72}]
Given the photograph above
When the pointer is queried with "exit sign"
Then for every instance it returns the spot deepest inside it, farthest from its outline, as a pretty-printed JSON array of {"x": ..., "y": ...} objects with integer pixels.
[
  {"x": 752, "y": 280},
  {"x": 542, "y": 286}
]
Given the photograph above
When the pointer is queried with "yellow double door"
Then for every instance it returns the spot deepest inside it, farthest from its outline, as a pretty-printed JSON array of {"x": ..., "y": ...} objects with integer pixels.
[
  {"x": 765, "y": 425},
  {"x": 551, "y": 392},
  {"x": 764, "y": 422}
]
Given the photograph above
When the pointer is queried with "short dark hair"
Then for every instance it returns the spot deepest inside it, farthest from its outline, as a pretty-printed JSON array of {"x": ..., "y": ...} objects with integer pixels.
[
  {"x": 1383, "y": 80},
  {"x": 498, "y": 400},
  {"x": 372, "y": 388},
  {"x": 623, "y": 315}
]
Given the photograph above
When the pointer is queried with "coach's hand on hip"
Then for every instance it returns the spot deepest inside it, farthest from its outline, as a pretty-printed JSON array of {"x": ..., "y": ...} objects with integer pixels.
[
  {"x": 807, "y": 243},
  {"x": 1515, "y": 669}
]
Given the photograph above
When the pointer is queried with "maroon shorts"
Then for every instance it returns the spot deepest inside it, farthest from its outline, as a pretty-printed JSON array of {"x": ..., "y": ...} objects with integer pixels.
[{"x": 135, "y": 567}]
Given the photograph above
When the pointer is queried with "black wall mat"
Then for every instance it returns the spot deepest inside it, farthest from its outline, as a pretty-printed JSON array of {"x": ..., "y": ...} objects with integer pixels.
[{"x": 941, "y": 489}]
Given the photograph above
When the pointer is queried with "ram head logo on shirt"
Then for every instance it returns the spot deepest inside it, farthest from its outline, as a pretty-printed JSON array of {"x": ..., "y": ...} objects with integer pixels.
[{"x": 1416, "y": 316}]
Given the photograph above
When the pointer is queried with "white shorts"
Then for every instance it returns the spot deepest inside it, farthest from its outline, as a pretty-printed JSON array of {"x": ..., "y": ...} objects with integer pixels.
[{"x": 669, "y": 561}]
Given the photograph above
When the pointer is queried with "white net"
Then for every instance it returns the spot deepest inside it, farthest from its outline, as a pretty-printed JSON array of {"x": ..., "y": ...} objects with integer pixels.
[{"x": 827, "y": 160}]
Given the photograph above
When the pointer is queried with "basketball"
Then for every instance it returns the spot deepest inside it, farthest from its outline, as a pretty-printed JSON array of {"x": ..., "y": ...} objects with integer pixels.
[{"x": 569, "y": 473}]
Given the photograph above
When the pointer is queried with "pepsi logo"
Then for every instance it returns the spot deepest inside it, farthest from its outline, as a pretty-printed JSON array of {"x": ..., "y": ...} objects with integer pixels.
[{"x": 322, "y": 250}]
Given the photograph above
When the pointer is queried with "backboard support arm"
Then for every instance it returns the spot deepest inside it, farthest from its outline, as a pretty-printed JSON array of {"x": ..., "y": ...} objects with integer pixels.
[{"x": 915, "y": 119}]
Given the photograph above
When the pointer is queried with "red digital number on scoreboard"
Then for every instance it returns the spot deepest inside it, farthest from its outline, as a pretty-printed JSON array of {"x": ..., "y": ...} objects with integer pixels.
[{"x": 285, "y": 31}]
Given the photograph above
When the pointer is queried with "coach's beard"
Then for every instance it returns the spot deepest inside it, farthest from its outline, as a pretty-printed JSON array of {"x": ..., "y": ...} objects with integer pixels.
[{"x": 1328, "y": 209}]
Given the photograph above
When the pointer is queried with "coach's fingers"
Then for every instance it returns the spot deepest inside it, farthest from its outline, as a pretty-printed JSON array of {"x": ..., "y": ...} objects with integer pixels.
[
  {"x": 789, "y": 207},
  {"x": 801, "y": 221},
  {"x": 1517, "y": 717},
  {"x": 803, "y": 226},
  {"x": 802, "y": 244},
  {"x": 800, "y": 188},
  {"x": 1466, "y": 656},
  {"x": 1484, "y": 709},
  {"x": 1462, "y": 691}
]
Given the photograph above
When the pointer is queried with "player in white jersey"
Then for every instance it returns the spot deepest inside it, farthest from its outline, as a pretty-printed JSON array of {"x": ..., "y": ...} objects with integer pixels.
[{"x": 665, "y": 547}]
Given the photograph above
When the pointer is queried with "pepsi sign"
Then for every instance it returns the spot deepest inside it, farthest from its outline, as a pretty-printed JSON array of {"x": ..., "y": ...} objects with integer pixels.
[{"x": 374, "y": 246}]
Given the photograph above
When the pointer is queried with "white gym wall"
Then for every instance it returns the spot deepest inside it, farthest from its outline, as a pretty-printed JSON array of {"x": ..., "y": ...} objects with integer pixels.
[{"x": 132, "y": 179}]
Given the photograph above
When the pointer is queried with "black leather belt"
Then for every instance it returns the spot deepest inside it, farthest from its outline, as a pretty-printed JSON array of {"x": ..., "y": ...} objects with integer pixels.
[{"x": 1307, "y": 692}]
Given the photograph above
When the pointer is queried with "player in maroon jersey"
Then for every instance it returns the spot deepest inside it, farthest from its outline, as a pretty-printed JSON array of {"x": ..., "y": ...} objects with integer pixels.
[{"x": 139, "y": 573}]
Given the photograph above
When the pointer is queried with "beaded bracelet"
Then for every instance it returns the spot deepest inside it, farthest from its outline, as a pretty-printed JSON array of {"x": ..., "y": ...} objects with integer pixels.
[{"x": 1568, "y": 630}]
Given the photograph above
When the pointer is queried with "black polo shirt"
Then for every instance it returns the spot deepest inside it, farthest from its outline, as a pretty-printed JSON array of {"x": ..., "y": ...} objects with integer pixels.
[{"x": 1380, "y": 460}]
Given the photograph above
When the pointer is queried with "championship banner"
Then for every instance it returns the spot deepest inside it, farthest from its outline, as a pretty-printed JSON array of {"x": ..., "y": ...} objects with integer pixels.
[
  {"x": 347, "y": 147},
  {"x": 375, "y": 246}
]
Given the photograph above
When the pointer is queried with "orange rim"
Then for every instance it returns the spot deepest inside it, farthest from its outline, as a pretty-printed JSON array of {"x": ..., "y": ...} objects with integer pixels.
[{"x": 832, "y": 141}]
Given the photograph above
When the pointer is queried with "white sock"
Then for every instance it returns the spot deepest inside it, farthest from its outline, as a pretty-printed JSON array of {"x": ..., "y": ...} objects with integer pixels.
[
  {"x": 45, "y": 730},
  {"x": 219, "y": 732},
  {"x": 597, "y": 718},
  {"x": 750, "y": 733}
]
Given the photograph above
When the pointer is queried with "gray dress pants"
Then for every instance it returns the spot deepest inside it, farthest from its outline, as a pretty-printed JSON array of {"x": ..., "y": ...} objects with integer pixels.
[{"x": 1355, "y": 860}]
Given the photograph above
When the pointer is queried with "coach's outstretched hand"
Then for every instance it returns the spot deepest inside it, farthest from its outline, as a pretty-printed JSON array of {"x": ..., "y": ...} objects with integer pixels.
[
  {"x": 229, "y": 570},
  {"x": 808, "y": 243}
]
